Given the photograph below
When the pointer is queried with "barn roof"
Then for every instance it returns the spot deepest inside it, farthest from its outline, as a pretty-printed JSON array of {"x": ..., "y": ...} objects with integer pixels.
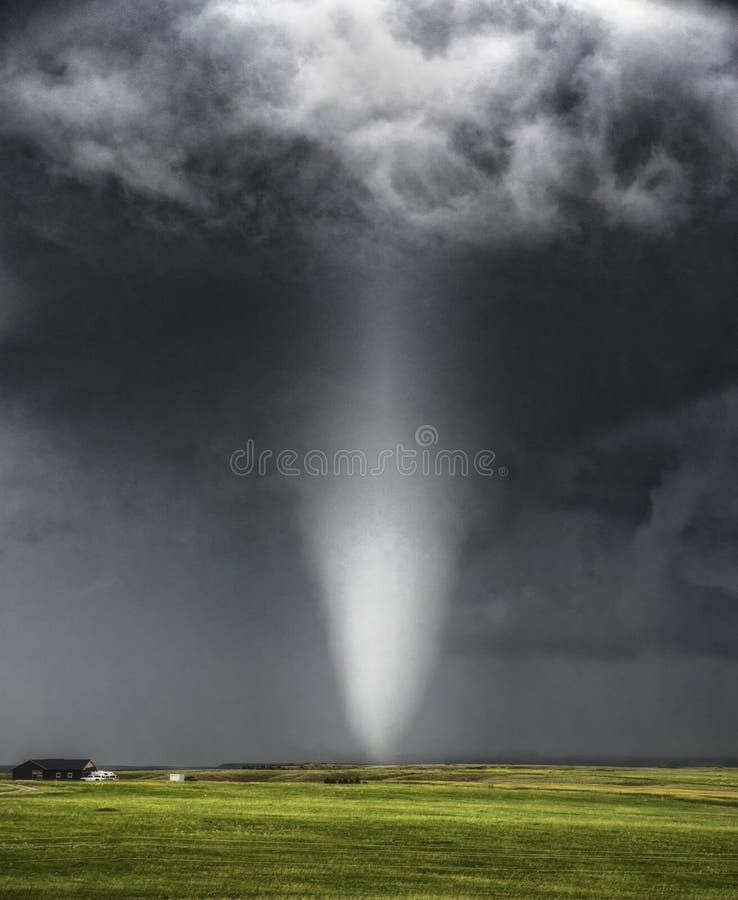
[{"x": 60, "y": 763}]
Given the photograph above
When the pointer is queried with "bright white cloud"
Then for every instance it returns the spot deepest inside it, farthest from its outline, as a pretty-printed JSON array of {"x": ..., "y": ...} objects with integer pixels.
[{"x": 473, "y": 119}]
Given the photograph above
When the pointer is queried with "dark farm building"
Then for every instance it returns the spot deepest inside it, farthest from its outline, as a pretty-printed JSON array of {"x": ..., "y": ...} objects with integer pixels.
[{"x": 53, "y": 769}]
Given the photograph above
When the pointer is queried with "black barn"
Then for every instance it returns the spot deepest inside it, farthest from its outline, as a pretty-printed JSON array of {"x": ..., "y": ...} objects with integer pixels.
[{"x": 53, "y": 769}]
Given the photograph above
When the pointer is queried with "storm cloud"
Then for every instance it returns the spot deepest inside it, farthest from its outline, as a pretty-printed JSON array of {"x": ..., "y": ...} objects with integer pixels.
[
  {"x": 206, "y": 208},
  {"x": 470, "y": 120}
]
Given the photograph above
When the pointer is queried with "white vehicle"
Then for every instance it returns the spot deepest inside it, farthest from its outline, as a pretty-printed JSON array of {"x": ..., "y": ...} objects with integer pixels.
[{"x": 100, "y": 775}]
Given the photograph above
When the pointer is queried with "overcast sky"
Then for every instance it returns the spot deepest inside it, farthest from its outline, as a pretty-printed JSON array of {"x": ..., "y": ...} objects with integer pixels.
[{"x": 224, "y": 220}]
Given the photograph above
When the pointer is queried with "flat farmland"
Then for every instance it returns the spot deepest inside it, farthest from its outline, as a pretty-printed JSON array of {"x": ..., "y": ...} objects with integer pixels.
[{"x": 404, "y": 831}]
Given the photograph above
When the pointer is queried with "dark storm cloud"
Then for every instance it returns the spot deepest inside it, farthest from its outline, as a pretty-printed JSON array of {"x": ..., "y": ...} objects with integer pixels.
[
  {"x": 195, "y": 193},
  {"x": 161, "y": 151},
  {"x": 166, "y": 150},
  {"x": 516, "y": 119},
  {"x": 625, "y": 546}
]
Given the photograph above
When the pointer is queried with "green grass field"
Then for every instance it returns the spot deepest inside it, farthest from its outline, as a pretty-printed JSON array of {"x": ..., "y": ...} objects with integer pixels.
[{"x": 424, "y": 831}]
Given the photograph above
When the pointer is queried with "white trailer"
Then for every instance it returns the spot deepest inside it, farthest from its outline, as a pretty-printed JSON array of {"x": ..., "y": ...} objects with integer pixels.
[{"x": 100, "y": 775}]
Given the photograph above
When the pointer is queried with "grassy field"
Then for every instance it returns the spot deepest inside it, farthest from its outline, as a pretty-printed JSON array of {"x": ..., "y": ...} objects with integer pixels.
[{"x": 424, "y": 831}]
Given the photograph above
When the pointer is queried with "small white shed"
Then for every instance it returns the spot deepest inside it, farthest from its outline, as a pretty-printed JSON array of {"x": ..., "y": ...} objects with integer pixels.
[{"x": 176, "y": 776}]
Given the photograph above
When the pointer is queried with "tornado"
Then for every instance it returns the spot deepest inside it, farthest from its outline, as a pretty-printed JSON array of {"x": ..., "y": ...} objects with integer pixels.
[{"x": 380, "y": 527}]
